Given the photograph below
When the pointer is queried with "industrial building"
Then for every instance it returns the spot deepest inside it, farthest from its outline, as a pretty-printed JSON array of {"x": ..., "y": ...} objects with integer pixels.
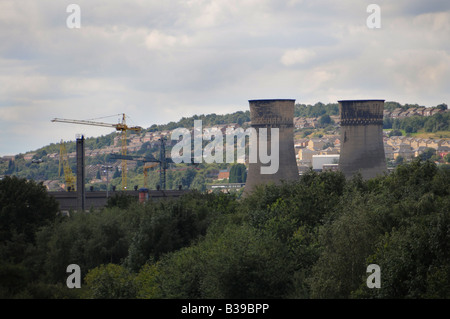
[
  {"x": 269, "y": 114},
  {"x": 362, "y": 148},
  {"x": 319, "y": 161}
]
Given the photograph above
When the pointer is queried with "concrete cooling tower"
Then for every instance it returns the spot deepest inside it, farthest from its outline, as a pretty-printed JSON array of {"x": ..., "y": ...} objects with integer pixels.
[
  {"x": 270, "y": 114},
  {"x": 362, "y": 148}
]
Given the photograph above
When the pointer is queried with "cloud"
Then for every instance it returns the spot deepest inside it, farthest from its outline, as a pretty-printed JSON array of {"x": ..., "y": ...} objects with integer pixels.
[
  {"x": 157, "y": 40},
  {"x": 298, "y": 56},
  {"x": 420, "y": 71},
  {"x": 160, "y": 60}
]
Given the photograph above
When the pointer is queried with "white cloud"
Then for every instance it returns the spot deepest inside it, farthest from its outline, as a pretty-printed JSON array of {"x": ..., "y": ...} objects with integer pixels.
[
  {"x": 157, "y": 40},
  {"x": 298, "y": 56},
  {"x": 420, "y": 71},
  {"x": 160, "y": 60}
]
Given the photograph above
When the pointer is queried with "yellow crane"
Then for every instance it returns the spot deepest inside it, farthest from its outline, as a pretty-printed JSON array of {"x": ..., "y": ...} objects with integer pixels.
[
  {"x": 122, "y": 127},
  {"x": 64, "y": 162}
]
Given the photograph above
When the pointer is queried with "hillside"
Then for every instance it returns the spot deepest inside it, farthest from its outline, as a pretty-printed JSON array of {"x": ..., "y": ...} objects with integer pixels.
[{"x": 311, "y": 121}]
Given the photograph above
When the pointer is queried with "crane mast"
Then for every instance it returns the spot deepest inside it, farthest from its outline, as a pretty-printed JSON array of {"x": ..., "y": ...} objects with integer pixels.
[
  {"x": 64, "y": 162},
  {"x": 121, "y": 127}
]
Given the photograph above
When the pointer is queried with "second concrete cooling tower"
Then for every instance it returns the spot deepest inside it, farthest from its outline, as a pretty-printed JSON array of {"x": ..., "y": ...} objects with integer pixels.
[
  {"x": 271, "y": 114},
  {"x": 362, "y": 148}
]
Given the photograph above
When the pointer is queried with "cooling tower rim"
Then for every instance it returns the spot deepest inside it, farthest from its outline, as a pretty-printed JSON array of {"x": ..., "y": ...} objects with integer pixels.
[
  {"x": 270, "y": 100},
  {"x": 367, "y": 100}
]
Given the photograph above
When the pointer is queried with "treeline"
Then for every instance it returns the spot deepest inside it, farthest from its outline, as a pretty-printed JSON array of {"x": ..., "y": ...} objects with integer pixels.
[
  {"x": 186, "y": 176},
  {"x": 317, "y": 110},
  {"x": 20, "y": 167},
  {"x": 208, "y": 120},
  {"x": 48, "y": 169},
  {"x": 90, "y": 143},
  {"x": 391, "y": 106},
  {"x": 432, "y": 124},
  {"x": 194, "y": 177},
  {"x": 313, "y": 238}
]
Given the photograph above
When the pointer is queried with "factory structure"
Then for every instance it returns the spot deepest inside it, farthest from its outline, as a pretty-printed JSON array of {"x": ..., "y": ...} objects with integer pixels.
[
  {"x": 361, "y": 141},
  {"x": 361, "y": 149},
  {"x": 273, "y": 114},
  {"x": 81, "y": 200}
]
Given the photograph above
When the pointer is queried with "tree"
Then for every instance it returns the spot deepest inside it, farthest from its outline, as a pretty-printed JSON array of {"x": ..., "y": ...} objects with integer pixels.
[
  {"x": 427, "y": 154},
  {"x": 447, "y": 158},
  {"x": 399, "y": 160},
  {"x": 400, "y": 222},
  {"x": 110, "y": 282},
  {"x": 87, "y": 239},
  {"x": 238, "y": 262},
  {"x": 414, "y": 260},
  {"x": 324, "y": 120},
  {"x": 116, "y": 173},
  {"x": 316, "y": 110},
  {"x": 169, "y": 225},
  {"x": 442, "y": 106},
  {"x": 435, "y": 158},
  {"x": 387, "y": 123},
  {"x": 390, "y": 106},
  {"x": 11, "y": 167},
  {"x": 40, "y": 154},
  {"x": 188, "y": 178},
  {"x": 199, "y": 183},
  {"x": 238, "y": 173},
  {"x": 395, "y": 133},
  {"x": 306, "y": 133},
  {"x": 24, "y": 207},
  {"x": 121, "y": 200},
  {"x": 409, "y": 129},
  {"x": 146, "y": 282},
  {"x": 241, "y": 119}
]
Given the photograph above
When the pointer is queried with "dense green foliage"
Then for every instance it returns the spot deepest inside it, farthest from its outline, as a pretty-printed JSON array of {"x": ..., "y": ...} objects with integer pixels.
[
  {"x": 434, "y": 123},
  {"x": 308, "y": 239},
  {"x": 238, "y": 173},
  {"x": 317, "y": 110},
  {"x": 208, "y": 120},
  {"x": 24, "y": 206}
]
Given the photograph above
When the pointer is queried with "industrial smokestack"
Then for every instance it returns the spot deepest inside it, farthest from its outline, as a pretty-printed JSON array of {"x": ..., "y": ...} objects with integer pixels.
[
  {"x": 265, "y": 116},
  {"x": 81, "y": 193},
  {"x": 362, "y": 148}
]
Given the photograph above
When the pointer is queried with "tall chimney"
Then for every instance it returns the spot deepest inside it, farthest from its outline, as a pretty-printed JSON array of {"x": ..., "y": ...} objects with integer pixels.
[
  {"x": 362, "y": 148},
  {"x": 273, "y": 114},
  {"x": 81, "y": 193}
]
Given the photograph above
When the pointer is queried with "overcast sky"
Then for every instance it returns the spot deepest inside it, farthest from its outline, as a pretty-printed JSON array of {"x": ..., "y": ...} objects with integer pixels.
[{"x": 158, "y": 61}]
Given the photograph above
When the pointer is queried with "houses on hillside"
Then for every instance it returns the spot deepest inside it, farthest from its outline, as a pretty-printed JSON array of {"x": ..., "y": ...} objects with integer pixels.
[
  {"x": 418, "y": 111},
  {"x": 395, "y": 146},
  {"x": 409, "y": 147},
  {"x": 311, "y": 150}
]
